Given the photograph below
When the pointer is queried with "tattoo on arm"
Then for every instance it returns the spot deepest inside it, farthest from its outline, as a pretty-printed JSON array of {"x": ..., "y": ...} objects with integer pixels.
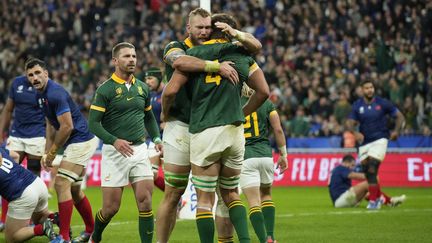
[{"x": 174, "y": 55}]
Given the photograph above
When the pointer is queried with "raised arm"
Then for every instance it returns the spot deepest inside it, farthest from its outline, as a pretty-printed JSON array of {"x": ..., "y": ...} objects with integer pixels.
[
  {"x": 177, "y": 59},
  {"x": 247, "y": 40}
]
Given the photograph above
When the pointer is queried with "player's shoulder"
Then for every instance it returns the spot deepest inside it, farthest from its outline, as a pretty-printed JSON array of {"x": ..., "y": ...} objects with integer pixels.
[
  {"x": 105, "y": 86},
  {"x": 357, "y": 102},
  {"x": 144, "y": 86},
  {"x": 19, "y": 80},
  {"x": 54, "y": 89},
  {"x": 173, "y": 45},
  {"x": 382, "y": 100}
]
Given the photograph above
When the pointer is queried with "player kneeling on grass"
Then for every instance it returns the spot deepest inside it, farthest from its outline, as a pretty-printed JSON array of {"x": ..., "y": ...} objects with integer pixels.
[
  {"x": 28, "y": 199},
  {"x": 344, "y": 195}
]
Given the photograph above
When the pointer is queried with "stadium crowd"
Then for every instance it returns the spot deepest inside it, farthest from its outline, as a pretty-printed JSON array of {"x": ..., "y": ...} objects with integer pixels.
[{"x": 315, "y": 53}]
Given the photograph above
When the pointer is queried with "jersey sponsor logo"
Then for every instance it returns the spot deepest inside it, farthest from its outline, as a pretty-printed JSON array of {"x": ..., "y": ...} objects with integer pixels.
[
  {"x": 361, "y": 110},
  {"x": 129, "y": 98},
  {"x": 30, "y": 88},
  {"x": 20, "y": 89}
]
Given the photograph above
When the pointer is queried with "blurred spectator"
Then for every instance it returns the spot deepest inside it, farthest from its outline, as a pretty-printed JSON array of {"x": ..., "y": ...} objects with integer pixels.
[{"x": 315, "y": 53}]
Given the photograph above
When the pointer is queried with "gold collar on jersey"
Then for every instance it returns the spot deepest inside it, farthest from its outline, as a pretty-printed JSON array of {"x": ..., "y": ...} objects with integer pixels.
[
  {"x": 119, "y": 80},
  {"x": 214, "y": 41},
  {"x": 188, "y": 42}
]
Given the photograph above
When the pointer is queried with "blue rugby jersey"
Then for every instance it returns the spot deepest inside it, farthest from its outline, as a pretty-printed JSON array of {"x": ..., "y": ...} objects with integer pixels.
[
  {"x": 14, "y": 178},
  {"x": 55, "y": 101},
  {"x": 339, "y": 181},
  {"x": 373, "y": 117},
  {"x": 29, "y": 120},
  {"x": 156, "y": 103}
]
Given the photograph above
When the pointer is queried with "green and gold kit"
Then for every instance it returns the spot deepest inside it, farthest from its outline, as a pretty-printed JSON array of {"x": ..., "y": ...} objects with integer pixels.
[
  {"x": 215, "y": 100},
  {"x": 180, "y": 109},
  {"x": 120, "y": 110},
  {"x": 256, "y": 127}
]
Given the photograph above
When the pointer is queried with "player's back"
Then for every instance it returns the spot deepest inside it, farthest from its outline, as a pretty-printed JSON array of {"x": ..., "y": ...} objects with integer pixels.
[
  {"x": 13, "y": 177},
  {"x": 55, "y": 101},
  {"x": 257, "y": 126},
  {"x": 339, "y": 181},
  {"x": 215, "y": 100},
  {"x": 29, "y": 120}
]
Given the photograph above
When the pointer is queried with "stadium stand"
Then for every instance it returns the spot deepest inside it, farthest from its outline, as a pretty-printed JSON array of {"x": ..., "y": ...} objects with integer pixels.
[{"x": 314, "y": 52}]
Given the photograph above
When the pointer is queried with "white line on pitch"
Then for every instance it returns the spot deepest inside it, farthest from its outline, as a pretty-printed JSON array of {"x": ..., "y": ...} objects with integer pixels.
[{"x": 342, "y": 212}]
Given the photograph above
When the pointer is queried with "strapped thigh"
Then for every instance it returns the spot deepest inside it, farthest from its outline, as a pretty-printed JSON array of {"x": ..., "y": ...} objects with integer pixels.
[
  {"x": 176, "y": 180},
  {"x": 205, "y": 183},
  {"x": 74, "y": 178},
  {"x": 231, "y": 182}
]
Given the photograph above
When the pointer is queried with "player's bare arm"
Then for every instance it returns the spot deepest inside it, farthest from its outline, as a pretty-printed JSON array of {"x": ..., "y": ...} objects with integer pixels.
[
  {"x": 351, "y": 125},
  {"x": 258, "y": 83},
  {"x": 177, "y": 80},
  {"x": 400, "y": 122},
  {"x": 247, "y": 40},
  {"x": 185, "y": 63},
  {"x": 356, "y": 176},
  {"x": 49, "y": 134},
  {"x": 280, "y": 140},
  {"x": 6, "y": 117},
  {"x": 60, "y": 138}
]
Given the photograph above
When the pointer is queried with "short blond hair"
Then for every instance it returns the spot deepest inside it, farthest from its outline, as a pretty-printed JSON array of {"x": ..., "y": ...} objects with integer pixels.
[
  {"x": 199, "y": 11},
  {"x": 116, "y": 49}
]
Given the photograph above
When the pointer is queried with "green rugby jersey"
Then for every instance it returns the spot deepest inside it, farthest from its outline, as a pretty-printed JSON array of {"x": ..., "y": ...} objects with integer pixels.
[
  {"x": 256, "y": 127},
  {"x": 182, "y": 103},
  {"x": 215, "y": 100},
  {"x": 122, "y": 110}
]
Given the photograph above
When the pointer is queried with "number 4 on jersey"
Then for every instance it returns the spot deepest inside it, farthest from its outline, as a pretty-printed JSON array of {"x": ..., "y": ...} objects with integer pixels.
[{"x": 213, "y": 77}]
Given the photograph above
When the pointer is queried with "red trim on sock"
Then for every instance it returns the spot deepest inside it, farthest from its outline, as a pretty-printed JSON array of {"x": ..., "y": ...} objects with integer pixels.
[
  {"x": 65, "y": 213},
  {"x": 373, "y": 192},
  {"x": 85, "y": 210},
  {"x": 160, "y": 183},
  {"x": 5, "y": 206},
  {"x": 38, "y": 230}
]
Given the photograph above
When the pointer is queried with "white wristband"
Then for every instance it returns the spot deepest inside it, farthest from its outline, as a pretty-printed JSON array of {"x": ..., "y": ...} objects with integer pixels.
[
  {"x": 283, "y": 150},
  {"x": 240, "y": 36}
]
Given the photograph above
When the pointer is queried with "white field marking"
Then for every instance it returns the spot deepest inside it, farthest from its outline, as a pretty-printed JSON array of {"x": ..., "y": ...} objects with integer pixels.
[
  {"x": 365, "y": 211},
  {"x": 342, "y": 212},
  {"x": 118, "y": 223}
]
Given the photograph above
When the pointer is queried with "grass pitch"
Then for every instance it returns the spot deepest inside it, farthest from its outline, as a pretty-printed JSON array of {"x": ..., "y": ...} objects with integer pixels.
[{"x": 304, "y": 214}]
